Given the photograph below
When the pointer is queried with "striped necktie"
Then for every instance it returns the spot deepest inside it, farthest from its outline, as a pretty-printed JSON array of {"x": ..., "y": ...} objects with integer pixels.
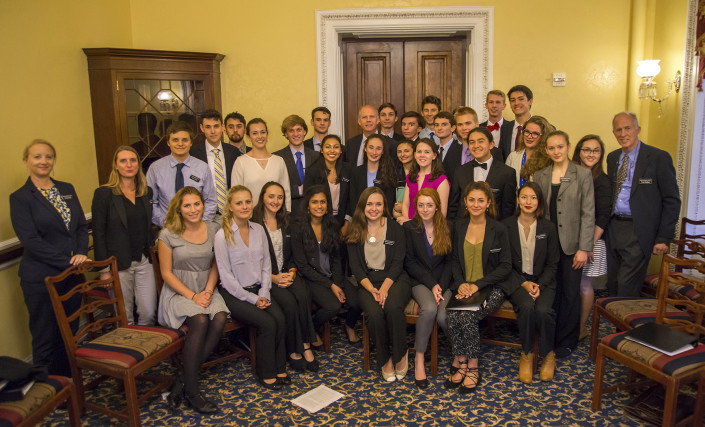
[{"x": 220, "y": 182}]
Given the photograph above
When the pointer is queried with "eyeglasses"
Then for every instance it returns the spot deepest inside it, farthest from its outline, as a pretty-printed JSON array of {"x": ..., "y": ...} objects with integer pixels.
[
  {"x": 587, "y": 151},
  {"x": 532, "y": 134}
]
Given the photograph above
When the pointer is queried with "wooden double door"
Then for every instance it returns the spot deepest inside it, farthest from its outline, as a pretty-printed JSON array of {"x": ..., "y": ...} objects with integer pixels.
[{"x": 402, "y": 72}]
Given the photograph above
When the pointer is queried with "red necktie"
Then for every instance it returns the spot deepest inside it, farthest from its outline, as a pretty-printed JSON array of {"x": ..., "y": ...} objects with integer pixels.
[
  {"x": 493, "y": 127},
  {"x": 516, "y": 140}
]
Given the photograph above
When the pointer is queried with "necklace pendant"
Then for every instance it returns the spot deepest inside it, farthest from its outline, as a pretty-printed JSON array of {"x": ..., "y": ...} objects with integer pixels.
[{"x": 372, "y": 239}]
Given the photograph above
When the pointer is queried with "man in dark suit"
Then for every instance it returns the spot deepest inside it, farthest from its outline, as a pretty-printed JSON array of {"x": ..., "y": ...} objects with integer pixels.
[
  {"x": 235, "y": 129},
  {"x": 501, "y": 129},
  {"x": 220, "y": 157},
  {"x": 354, "y": 147},
  {"x": 484, "y": 167},
  {"x": 320, "y": 121},
  {"x": 296, "y": 157},
  {"x": 387, "y": 120},
  {"x": 465, "y": 121},
  {"x": 411, "y": 125},
  {"x": 450, "y": 149},
  {"x": 646, "y": 204}
]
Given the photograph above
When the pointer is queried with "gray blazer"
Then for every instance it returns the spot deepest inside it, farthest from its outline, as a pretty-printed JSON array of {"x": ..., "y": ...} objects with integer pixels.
[{"x": 576, "y": 207}]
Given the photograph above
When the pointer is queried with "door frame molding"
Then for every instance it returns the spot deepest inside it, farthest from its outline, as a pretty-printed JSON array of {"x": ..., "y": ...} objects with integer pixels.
[{"x": 476, "y": 22}]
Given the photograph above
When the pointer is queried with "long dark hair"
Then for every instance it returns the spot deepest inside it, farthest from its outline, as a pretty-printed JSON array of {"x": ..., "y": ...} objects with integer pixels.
[
  {"x": 319, "y": 166},
  {"x": 436, "y": 164},
  {"x": 358, "y": 226},
  {"x": 539, "y": 198},
  {"x": 485, "y": 188},
  {"x": 386, "y": 172},
  {"x": 330, "y": 230},
  {"x": 282, "y": 216},
  {"x": 597, "y": 168}
]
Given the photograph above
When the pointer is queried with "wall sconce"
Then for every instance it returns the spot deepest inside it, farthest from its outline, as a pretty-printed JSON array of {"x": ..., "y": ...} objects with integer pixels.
[{"x": 648, "y": 69}]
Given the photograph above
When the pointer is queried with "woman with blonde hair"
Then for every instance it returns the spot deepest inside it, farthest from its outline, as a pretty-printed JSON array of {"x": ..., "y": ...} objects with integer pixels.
[
  {"x": 530, "y": 154},
  {"x": 189, "y": 271},
  {"x": 242, "y": 252},
  {"x": 122, "y": 223}
]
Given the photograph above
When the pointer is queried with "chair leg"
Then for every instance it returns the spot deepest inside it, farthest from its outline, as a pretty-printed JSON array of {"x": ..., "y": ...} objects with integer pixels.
[
  {"x": 253, "y": 345},
  {"x": 326, "y": 337},
  {"x": 700, "y": 403},
  {"x": 365, "y": 345},
  {"x": 133, "y": 409},
  {"x": 669, "y": 404},
  {"x": 434, "y": 349},
  {"x": 74, "y": 408},
  {"x": 77, "y": 375},
  {"x": 597, "y": 385},
  {"x": 594, "y": 332}
]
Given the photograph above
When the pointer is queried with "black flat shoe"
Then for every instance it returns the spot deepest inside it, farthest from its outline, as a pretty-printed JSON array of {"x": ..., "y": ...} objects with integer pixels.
[
  {"x": 297, "y": 364},
  {"x": 200, "y": 404},
  {"x": 173, "y": 400},
  {"x": 422, "y": 384},
  {"x": 471, "y": 372},
  {"x": 276, "y": 385},
  {"x": 313, "y": 365},
  {"x": 563, "y": 352},
  {"x": 284, "y": 380}
]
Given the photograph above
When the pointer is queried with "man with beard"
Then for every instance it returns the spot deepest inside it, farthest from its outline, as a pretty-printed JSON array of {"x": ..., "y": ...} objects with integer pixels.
[{"x": 235, "y": 129}]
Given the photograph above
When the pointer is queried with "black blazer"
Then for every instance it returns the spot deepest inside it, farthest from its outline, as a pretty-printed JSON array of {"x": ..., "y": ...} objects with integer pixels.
[
  {"x": 453, "y": 159},
  {"x": 352, "y": 149},
  {"x": 48, "y": 244},
  {"x": 397, "y": 137},
  {"x": 230, "y": 153},
  {"x": 655, "y": 201},
  {"x": 344, "y": 172},
  {"x": 310, "y": 156},
  {"x": 546, "y": 254},
  {"x": 603, "y": 200},
  {"x": 496, "y": 257},
  {"x": 500, "y": 177},
  {"x": 110, "y": 232},
  {"x": 394, "y": 252},
  {"x": 308, "y": 261},
  {"x": 422, "y": 269},
  {"x": 359, "y": 183},
  {"x": 288, "y": 262},
  {"x": 308, "y": 143},
  {"x": 505, "y": 143}
]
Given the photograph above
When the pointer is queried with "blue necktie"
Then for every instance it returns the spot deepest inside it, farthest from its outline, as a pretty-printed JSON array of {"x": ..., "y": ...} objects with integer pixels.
[
  {"x": 179, "y": 181},
  {"x": 300, "y": 167}
]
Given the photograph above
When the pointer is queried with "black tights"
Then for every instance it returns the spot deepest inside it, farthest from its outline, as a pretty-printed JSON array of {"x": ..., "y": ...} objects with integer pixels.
[{"x": 203, "y": 334}]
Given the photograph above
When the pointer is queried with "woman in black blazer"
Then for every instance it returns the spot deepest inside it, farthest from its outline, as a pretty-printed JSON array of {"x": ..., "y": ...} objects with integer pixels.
[
  {"x": 533, "y": 280},
  {"x": 377, "y": 169},
  {"x": 122, "y": 223},
  {"x": 428, "y": 263},
  {"x": 316, "y": 249},
  {"x": 481, "y": 263},
  {"x": 49, "y": 222},
  {"x": 377, "y": 245},
  {"x": 590, "y": 153},
  {"x": 288, "y": 290}
]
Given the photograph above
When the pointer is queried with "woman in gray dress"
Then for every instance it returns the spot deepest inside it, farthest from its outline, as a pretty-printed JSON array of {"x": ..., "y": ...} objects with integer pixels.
[{"x": 188, "y": 267}]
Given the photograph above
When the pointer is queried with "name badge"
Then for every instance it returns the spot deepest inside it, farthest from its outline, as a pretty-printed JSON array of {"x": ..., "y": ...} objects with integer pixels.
[
  {"x": 194, "y": 178},
  {"x": 540, "y": 236},
  {"x": 495, "y": 251},
  {"x": 389, "y": 242},
  {"x": 565, "y": 179},
  {"x": 495, "y": 190},
  {"x": 645, "y": 181},
  {"x": 344, "y": 179},
  {"x": 377, "y": 181},
  {"x": 67, "y": 197}
]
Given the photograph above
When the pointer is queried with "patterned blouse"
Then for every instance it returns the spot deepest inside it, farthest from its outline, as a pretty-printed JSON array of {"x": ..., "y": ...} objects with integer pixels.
[{"x": 52, "y": 194}]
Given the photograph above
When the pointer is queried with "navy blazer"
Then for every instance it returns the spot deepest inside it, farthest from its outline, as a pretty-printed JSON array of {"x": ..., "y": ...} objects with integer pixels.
[
  {"x": 422, "y": 269},
  {"x": 307, "y": 260},
  {"x": 230, "y": 153},
  {"x": 286, "y": 238},
  {"x": 505, "y": 143},
  {"x": 308, "y": 143},
  {"x": 546, "y": 254},
  {"x": 500, "y": 177},
  {"x": 655, "y": 201},
  {"x": 496, "y": 257},
  {"x": 310, "y": 156},
  {"x": 394, "y": 252},
  {"x": 313, "y": 176},
  {"x": 48, "y": 244},
  {"x": 110, "y": 233}
]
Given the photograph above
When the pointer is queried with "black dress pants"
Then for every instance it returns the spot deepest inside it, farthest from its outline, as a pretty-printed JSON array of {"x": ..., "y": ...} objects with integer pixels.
[
  {"x": 533, "y": 315},
  {"x": 329, "y": 305},
  {"x": 295, "y": 302},
  {"x": 567, "y": 303}
]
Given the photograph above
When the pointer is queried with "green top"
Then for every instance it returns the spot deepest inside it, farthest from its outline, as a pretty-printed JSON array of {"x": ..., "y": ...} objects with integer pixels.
[{"x": 473, "y": 261}]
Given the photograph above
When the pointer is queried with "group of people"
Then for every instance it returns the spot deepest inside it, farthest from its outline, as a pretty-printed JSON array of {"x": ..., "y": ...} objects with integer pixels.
[{"x": 433, "y": 214}]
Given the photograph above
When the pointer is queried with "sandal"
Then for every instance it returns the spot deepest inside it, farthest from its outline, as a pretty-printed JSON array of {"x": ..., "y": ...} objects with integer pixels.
[
  {"x": 474, "y": 375},
  {"x": 455, "y": 384}
]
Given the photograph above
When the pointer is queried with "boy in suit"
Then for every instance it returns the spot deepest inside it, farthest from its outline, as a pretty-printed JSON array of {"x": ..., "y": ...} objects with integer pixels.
[
  {"x": 387, "y": 120},
  {"x": 235, "y": 129},
  {"x": 501, "y": 129},
  {"x": 320, "y": 121},
  {"x": 296, "y": 157}
]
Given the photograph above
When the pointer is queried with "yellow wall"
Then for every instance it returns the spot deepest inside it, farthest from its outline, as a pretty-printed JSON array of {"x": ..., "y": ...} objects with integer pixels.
[{"x": 270, "y": 71}]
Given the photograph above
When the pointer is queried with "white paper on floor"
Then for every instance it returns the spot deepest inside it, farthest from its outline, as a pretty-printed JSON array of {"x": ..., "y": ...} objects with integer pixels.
[{"x": 317, "y": 399}]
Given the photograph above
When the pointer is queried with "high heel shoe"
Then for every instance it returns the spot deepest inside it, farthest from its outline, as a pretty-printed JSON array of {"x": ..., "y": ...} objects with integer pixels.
[
  {"x": 200, "y": 404},
  {"x": 472, "y": 373},
  {"x": 313, "y": 365},
  {"x": 400, "y": 374},
  {"x": 455, "y": 384},
  {"x": 285, "y": 380},
  {"x": 422, "y": 384},
  {"x": 173, "y": 400},
  {"x": 297, "y": 364}
]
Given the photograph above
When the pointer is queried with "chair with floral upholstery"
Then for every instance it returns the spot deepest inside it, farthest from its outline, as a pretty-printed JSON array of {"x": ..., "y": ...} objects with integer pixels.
[
  {"x": 124, "y": 353},
  {"x": 41, "y": 400}
]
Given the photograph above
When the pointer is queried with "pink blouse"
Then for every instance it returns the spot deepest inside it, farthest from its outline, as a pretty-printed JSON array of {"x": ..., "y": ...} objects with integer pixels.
[{"x": 414, "y": 189}]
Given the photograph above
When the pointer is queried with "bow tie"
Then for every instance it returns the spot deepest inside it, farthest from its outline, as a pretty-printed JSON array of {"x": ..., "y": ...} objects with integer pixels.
[
  {"x": 493, "y": 127},
  {"x": 475, "y": 164}
]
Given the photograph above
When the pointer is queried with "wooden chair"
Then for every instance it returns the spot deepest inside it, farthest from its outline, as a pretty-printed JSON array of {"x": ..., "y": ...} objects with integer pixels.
[
  {"x": 695, "y": 248},
  {"x": 669, "y": 371},
  {"x": 411, "y": 311},
  {"x": 506, "y": 311},
  {"x": 123, "y": 353},
  {"x": 626, "y": 312},
  {"x": 700, "y": 402},
  {"x": 41, "y": 400}
]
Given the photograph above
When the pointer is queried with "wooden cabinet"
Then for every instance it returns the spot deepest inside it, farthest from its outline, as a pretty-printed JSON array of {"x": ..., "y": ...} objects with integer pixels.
[{"x": 136, "y": 94}]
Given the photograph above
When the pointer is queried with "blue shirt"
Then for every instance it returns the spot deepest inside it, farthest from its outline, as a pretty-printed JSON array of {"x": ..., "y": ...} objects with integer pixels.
[
  {"x": 371, "y": 178},
  {"x": 621, "y": 205},
  {"x": 161, "y": 177},
  {"x": 429, "y": 133},
  {"x": 316, "y": 144},
  {"x": 241, "y": 266}
]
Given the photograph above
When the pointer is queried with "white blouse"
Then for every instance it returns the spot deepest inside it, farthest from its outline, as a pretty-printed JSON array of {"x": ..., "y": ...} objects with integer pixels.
[{"x": 248, "y": 172}]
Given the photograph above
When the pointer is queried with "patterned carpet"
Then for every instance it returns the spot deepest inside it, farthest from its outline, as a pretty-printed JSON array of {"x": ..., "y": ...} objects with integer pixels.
[{"x": 500, "y": 400}]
